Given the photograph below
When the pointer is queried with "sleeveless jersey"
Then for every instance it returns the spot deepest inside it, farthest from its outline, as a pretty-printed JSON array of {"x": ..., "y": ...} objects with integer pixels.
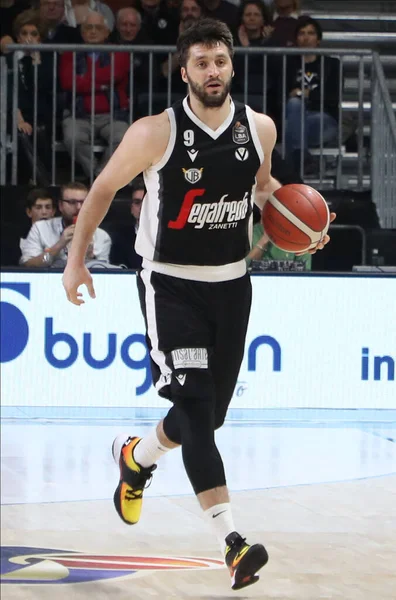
[{"x": 199, "y": 202}]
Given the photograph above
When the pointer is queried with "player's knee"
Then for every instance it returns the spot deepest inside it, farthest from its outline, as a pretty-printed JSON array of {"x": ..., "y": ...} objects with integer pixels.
[{"x": 196, "y": 420}]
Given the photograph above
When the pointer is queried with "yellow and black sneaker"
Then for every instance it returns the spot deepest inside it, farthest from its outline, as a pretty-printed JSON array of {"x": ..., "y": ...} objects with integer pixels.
[
  {"x": 243, "y": 561},
  {"x": 134, "y": 478}
]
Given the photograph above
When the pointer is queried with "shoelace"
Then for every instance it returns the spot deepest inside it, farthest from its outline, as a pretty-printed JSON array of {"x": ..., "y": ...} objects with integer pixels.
[
  {"x": 236, "y": 546},
  {"x": 137, "y": 492}
]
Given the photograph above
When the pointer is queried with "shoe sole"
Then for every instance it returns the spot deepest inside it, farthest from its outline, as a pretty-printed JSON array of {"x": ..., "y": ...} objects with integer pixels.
[
  {"x": 117, "y": 447},
  {"x": 255, "y": 558}
]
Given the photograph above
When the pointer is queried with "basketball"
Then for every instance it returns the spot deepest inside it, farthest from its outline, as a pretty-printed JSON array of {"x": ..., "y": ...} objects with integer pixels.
[{"x": 295, "y": 217}]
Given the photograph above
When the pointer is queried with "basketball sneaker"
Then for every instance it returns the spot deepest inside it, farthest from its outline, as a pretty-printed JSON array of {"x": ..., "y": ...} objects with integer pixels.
[
  {"x": 243, "y": 561},
  {"x": 134, "y": 478}
]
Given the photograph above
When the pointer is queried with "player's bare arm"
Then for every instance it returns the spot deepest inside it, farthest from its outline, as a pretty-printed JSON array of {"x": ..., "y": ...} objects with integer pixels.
[
  {"x": 266, "y": 184},
  {"x": 142, "y": 146}
]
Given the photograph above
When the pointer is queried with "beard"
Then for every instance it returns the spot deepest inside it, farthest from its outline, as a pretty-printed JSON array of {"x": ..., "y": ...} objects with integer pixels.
[{"x": 209, "y": 100}]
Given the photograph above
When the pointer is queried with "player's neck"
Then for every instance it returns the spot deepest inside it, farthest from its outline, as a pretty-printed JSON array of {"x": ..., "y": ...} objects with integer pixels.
[{"x": 213, "y": 117}]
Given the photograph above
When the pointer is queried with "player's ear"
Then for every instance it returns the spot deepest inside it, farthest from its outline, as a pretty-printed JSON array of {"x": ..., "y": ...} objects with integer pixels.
[
  {"x": 233, "y": 73},
  {"x": 183, "y": 74}
]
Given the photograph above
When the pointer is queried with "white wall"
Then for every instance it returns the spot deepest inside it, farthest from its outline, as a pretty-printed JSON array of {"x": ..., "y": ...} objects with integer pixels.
[{"x": 316, "y": 327}]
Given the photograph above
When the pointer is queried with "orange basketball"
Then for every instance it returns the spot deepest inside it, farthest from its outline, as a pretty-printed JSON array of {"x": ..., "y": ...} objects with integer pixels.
[{"x": 295, "y": 217}]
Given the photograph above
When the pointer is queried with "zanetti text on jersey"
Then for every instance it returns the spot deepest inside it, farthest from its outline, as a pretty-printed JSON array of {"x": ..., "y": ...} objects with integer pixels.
[{"x": 218, "y": 215}]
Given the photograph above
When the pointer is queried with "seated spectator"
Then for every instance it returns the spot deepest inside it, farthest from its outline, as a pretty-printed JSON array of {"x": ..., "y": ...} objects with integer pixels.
[
  {"x": 52, "y": 14},
  {"x": 128, "y": 28},
  {"x": 76, "y": 12},
  {"x": 123, "y": 247},
  {"x": 9, "y": 10},
  {"x": 129, "y": 31},
  {"x": 40, "y": 206},
  {"x": 254, "y": 30},
  {"x": 223, "y": 11},
  {"x": 284, "y": 22},
  {"x": 159, "y": 21},
  {"x": 27, "y": 30},
  {"x": 48, "y": 241},
  {"x": 265, "y": 256},
  {"x": 308, "y": 35},
  {"x": 190, "y": 12},
  {"x": 95, "y": 31}
]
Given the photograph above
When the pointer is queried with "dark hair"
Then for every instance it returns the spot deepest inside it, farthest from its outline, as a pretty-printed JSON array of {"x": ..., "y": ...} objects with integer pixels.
[
  {"x": 304, "y": 21},
  {"x": 138, "y": 184},
  {"x": 207, "y": 32},
  {"x": 199, "y": 3},
  {"x": 262, "y": 8},
  {"x": 28, "y": 17},
  {"x": 38, "y": 194},
  {"x": 73, "y": 185}
]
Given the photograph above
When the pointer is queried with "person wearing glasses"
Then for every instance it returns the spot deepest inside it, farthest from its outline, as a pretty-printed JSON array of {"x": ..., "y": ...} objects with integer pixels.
[{"x": 48, "y": 240}]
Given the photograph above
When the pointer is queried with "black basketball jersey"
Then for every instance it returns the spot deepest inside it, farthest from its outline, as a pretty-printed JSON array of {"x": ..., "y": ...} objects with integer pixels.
[{"x": 199, "y": 203}]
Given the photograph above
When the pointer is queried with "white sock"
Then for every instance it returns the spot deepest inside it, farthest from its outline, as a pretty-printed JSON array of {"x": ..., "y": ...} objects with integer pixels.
[
  {"x": 221, "y": 521},
  {"x": 149, "y": 449}
]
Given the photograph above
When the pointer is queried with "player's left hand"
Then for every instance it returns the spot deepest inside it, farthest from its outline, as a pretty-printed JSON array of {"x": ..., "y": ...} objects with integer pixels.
[{"x": 320, "y": 245}]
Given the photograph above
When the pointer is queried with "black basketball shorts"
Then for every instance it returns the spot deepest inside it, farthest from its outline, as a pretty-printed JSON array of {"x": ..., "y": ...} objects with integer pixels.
[{"x": 195, "y": 333}]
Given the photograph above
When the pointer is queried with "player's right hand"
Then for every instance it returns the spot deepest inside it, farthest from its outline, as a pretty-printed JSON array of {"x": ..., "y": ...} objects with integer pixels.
[{"x": 73, "y": 278}]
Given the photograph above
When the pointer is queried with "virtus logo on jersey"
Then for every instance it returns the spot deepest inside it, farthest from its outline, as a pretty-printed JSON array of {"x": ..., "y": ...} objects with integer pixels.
[
  {"x": 217, "y": 215},
  {"x": 192, "y": 175}
]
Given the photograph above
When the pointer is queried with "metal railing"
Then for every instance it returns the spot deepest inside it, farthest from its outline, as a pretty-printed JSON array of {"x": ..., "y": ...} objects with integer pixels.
[
  {"x": 383, "y": 148},
  {"x": 333, "y": 160},
  {"x": 335, "y": 165}
]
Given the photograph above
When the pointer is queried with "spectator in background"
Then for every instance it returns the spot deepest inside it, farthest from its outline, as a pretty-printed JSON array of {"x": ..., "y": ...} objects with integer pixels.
[
  {"x": 254, "y": 30},
  {"x": 77, "y": 11},
  {"x": 129, "y": 31},
  {"x": 95, "y": 31},
  {"x": 308, "y": 35},
  {"x": 254, "y": 24},
  {"x": 48, "y": 240},
  {"x": 128, "y": 28},
  {"x": 222, "y": 11},
  {"x": 27, "y": 30},
  {"x": 123, "y": 247},
  {"x": 52, "y": 14},
  {"x": 53, "y": 28},
  {"x": 264, "y": 255},
  {"x": 40, "y": 206},
  {"x": 284, "y": 18},
  {"x": 9, "y": 10},
  {"x": 159, "y": 21},
  {"x": 190, "y": 12}
]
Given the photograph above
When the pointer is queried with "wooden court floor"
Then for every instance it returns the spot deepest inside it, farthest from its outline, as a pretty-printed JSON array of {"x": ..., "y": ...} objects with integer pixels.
[{"x": 325, "y": 540}]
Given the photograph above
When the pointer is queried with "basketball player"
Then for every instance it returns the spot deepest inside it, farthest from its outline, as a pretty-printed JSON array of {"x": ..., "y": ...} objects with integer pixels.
[{"x": 205, "y": 161}]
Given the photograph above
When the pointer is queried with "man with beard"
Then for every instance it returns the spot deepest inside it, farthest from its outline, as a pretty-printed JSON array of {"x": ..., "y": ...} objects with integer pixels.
[
  {"x": 205, "y": 161},
  {"x": 48, "y": 241}
]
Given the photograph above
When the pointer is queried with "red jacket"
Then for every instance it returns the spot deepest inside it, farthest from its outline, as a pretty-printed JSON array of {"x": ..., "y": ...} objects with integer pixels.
[{"x": 102, "y": 79}]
